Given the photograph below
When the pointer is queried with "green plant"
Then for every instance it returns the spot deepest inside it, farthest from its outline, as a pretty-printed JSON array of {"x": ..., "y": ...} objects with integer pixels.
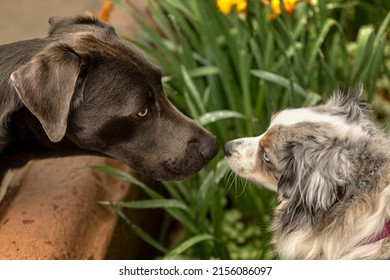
[{"x": 230, "y": 73}]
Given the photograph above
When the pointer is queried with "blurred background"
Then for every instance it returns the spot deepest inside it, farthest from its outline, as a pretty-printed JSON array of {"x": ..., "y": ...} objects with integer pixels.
[
  {"x": 26, "y": 19},
  {"x": 230, "y": 64}
]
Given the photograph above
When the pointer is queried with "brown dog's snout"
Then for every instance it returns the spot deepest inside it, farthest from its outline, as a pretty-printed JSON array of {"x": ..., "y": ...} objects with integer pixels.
[{"x": 207, "y": 148}]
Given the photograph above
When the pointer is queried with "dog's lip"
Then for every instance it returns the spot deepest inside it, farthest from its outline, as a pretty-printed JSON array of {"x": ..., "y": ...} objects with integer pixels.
[{"x": 174, "y": 174}]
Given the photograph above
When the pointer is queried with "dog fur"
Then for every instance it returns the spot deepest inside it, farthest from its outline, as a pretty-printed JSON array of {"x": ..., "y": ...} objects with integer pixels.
[
  {"x": 83, "y": 90},
  {"x": 330, "y": 166}
]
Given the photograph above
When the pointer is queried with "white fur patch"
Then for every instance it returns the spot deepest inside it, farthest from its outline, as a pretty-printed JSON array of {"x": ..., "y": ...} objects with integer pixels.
[{"x": 294, "y": 116}]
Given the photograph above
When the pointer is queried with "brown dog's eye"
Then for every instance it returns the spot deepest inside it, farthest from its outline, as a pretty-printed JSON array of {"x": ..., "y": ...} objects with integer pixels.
[{"x": 143, "y": 113}]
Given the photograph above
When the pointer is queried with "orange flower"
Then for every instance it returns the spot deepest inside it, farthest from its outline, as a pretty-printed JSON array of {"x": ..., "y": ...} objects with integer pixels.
[
  {"x": 289, "y": 5},
  {"x": 225, "y": 6},
  {"x": 104, "y": 13}
]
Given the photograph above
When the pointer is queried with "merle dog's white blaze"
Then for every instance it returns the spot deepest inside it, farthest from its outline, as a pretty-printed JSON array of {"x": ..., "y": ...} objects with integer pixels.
[{"x": 294, "y": 116}]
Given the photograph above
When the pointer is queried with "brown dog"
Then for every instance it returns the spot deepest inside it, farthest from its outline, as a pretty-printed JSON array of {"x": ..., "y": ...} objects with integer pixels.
[{"x": 82, "y": 90}]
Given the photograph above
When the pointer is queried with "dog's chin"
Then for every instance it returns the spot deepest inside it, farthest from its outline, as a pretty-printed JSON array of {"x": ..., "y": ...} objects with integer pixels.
[
  {"x": 261, "y": 181},
  {"x": 171, "y": 169},
  {"x": 174, "y": 169},
  {"x": 173, "y": 173},
  {"x": 253, "y": 176}
]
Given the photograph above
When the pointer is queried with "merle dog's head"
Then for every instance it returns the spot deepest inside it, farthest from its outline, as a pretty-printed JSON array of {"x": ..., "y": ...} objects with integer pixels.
[
  {"x": 309, "y": 155},
  {"x": 91, "y": 88}
]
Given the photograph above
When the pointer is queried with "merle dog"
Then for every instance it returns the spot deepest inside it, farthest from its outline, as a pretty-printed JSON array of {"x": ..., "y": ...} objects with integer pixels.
[{"x": 83, "y": 90}]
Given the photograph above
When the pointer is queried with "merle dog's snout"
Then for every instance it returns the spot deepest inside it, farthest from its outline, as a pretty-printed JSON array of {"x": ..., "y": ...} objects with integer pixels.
[{"x": 230, "y": 147}]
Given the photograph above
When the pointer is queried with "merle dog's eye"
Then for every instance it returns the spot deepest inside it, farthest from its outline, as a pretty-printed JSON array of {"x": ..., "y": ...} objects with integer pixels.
[
  {"x": 143, "y": 113},
  {"x": 266, "y": 158}
]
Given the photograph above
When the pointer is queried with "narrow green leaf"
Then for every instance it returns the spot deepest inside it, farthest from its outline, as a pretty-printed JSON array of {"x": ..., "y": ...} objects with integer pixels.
[
  {"x": 316, "y": 47},
  {"x": 364, "y": 51},
  {"x": 119, "y": 4},
  {"x": 127, "y": 177},
  {"x": 212, "y": 117},
  {"x": 176, "y": 213},
  {"x": 222, "y": 169},
  {"x": 312, "y": 99},
  {"x": 152, "y": 204},
  {"x": 141, "y": 233},
  {"x": 203, "y": 71},
  {"x": 192, "y": 89},
  {"x": 188, "y": 244},
  {"x": 203, "y": 201},
  {"x": 279, "y": 80},
  {"x": 383, "y": 29}
]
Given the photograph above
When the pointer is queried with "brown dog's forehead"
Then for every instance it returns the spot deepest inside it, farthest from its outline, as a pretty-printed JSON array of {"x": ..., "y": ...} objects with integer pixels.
[
  {"x": 88, "y": 36},
  {"x": 61, "y": 25}
]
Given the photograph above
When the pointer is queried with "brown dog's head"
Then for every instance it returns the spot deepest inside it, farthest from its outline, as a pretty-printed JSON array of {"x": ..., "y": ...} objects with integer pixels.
[{"x": 89, "y": 87}]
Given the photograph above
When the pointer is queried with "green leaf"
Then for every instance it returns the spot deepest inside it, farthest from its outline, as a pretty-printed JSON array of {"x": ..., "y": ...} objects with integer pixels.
[
  {"x": 141, "y": 233},
  {"x": 279, "y": 80},
  {"x": 127, "y": 177},
  {"x": 316, "y": 47},
  {"x": 203, "y": 71},
  {"x": 222, "y": 169},
  {"x": 312, "y": 99},
  {"x": 151, "y": 204},
  {"x": 188, "y": 244},
  {"x": 174, "y": 212},
  {"x": 194, "y": 92},
  {"x": 205, "y": 193},
  {"x": 364, "y": 51},
  {"x": 383, "y": 29},
  {"x": 119, "y": 4},
  {"x": 212, "y": 117}
]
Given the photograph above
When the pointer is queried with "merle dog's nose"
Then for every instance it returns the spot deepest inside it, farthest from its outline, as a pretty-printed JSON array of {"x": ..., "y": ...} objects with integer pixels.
[
  {"x": 230, "y": 147},
  {"x": 227, "y": 148},
  {"x": 209, "y": 149}
]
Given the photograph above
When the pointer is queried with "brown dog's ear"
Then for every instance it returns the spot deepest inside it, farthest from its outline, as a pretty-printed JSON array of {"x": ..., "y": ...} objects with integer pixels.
[
  {"x": 46, "y": 84},
  {"x": 58, "y": 23}
]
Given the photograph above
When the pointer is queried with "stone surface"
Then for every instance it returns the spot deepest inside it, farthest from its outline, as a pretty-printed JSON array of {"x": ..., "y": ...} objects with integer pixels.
[{"x": 52, "y": 210}]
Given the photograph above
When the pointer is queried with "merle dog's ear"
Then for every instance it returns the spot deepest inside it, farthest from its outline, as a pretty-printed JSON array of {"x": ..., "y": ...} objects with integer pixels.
[
  {"x": 351, "y": 102},
  {"x": 315, "y": 173},
  {"x": 46, "y": 85}
]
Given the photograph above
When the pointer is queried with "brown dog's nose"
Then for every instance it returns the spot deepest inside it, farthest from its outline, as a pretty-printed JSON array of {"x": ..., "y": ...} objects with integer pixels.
[{"x": 209, "y": 149}]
